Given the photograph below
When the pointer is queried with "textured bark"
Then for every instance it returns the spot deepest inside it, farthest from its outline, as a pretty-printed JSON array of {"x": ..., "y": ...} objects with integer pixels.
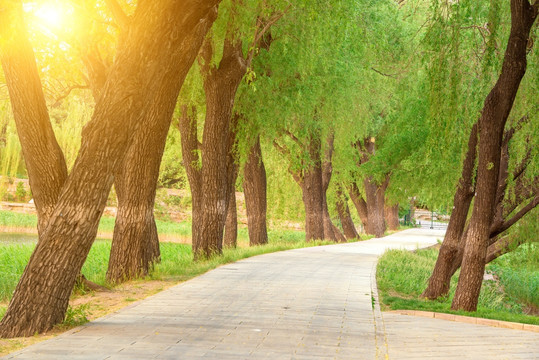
[
  {"x": 220, "y": 85},
  {"x": 42, "y": 295},
  {"x": 496, "y": 109},
  {"x": 331, "y": 232},
  {"x": 440, "y": 279},
  {"x": 254, "y": 187},
  {"x": 343, "y": 210},
  {"x": 360, "y": 205},
  {"x": 312, "y": 191},
  {"x": 44, "y": 159},
  {"x": 191, "y": 161},
  {"x": 231, "y": 223},
  {"x": 370, "y": 207},
  {"x": 135, "y": 243},
  {"x": 375, "y": 207},
  {"x": 391, "y": 214}
]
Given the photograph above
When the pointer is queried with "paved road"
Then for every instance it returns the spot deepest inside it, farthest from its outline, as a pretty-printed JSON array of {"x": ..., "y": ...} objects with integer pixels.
[{"x": 313, "y": 303}]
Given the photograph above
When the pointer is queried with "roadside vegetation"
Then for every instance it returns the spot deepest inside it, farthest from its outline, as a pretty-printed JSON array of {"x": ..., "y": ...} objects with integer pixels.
[{"x": 511, "y": 295}]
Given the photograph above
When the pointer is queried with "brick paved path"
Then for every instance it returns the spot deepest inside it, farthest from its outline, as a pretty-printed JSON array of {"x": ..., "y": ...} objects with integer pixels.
[{"x": 313, "y": 303}]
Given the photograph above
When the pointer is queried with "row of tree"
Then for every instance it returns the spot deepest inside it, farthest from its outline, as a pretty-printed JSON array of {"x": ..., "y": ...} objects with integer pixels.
[{"x": 336, "y": 89}]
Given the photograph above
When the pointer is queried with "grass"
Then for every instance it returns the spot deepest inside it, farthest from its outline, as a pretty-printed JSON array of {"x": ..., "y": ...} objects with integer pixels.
[
  {"x": 176, "y": 260},
  {"x": 20, "y": 221},
  {"x": 402, "y": 276}
]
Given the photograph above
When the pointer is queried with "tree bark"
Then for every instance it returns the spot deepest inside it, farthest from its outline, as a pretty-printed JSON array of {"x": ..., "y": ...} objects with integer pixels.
[
  {"x": 496, "y": 109},
  {"x": 440, "y": 279},
  {"x": 312, "y": 191},
  {"x": 254, "y": 187},
  {"x": 331, "y": 232},
  {"x": 45, "y": 163},
  {"x": 343, "y": 210},
  {"x": 360, "y": 205},
  {"x": 375, "y": 207},
  {"x": 392, "y": 216},
  {"x": 135, "y": 243},
  {"x": 191, "y": 148},
  {"x": 231, "y": 223},
  {"x": 42, "y": 295},
  {"x": 220, "y": 85}
]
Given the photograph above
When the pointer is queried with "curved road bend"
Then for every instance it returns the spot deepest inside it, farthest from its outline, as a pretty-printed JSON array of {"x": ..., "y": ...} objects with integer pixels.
[{"x": 312, "y": 303}]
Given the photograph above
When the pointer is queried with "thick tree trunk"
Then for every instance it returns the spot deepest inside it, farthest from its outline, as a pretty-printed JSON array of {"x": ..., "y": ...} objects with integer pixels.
[
  {"x": 220, "y": 85},
  {"x": 312, "y": 192},
  {"x": 496, "y": 109},
  {"x": 135, "y": 243},
  {"x": 331, "y": 232},
  {"x": 343, "y": 210},
  {"x": 42, "y": 295},
  {"x": 254, "y": 187},
  {"x": 361, "y": 206},
  {"x": 375, "y": 207},
  {"x": 44, "y": 159},
  {"x": 440, "y": 279},
  {"x": 392, "y": 216}
]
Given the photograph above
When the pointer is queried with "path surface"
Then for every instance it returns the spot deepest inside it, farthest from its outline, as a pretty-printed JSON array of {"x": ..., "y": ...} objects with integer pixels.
[{"x": 312, "y": 303}]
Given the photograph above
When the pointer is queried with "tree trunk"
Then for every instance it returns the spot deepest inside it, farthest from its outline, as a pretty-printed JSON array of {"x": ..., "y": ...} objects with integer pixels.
[
  {"x": 42, "y": 295},
  {"x": 440, "y": 279},
  {"x": 135, "y": 243},
  {"x": 375, "y": 208},
  {"x": 44, "y": 159},
  {"x": 361, "y": 206},
  {"x": 331, "y": 232},
  {"x": 254, "y": 187},
  {"x": 312, "y": 192},
  {"x": 344, "y": 215},
  {"x": 392, "y": 216},
  {"x": 496, "y": 109},
  {"x": 191, "y": 161},
  {"x": 220, "y": 85},
  {"x": 231, "y": 223}
]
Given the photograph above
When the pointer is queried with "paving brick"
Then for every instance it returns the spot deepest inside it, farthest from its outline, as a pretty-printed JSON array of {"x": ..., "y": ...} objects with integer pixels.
[{"x": 312, "y": 303}]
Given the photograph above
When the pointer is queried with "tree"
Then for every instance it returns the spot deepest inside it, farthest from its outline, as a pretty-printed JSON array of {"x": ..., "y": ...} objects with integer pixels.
[
  {"x": 41, "y": 297},
  {"x": 211, "y": 181},
  {"x": 254, "y": 187},
  {"x": 44, "y": 159},
  {"x": 492, "y": 122},
  {"x": 135, "y": 244},
  {"x": 508, "y": 202}
]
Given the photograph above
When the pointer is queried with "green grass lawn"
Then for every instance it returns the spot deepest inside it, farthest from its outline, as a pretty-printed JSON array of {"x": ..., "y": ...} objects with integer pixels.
[
  {"x": 402, "y": 276},
  {"x": 176, "y": 260},
  {"x": 106, "y": 224}
]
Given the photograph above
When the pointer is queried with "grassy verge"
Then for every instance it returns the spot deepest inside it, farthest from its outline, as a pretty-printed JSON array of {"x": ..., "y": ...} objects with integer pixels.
[
  {"x": 176, "y": 264},
  {"x": 402, "y": 276},
  {"x": 20, "y": 222}
]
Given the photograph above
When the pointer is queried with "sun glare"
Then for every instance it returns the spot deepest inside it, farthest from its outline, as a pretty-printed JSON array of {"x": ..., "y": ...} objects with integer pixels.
[{"x": 51, "y": 15}]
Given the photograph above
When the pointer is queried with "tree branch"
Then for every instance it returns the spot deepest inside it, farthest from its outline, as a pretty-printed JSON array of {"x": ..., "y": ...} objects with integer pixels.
[
  {"x": 117, "y": 13},
  {"x": 204, "y": 57},
  {"x": 286, "y": 152},
  {"x": 68, "y": 91},
  {"x": 507, "y": 224},
  {"x": 260, "y": 31},
  {"x": 293, "y": 137}
]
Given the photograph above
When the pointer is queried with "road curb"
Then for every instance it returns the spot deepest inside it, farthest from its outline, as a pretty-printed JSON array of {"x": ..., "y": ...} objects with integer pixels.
[{"x": 468, "y": 320}]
